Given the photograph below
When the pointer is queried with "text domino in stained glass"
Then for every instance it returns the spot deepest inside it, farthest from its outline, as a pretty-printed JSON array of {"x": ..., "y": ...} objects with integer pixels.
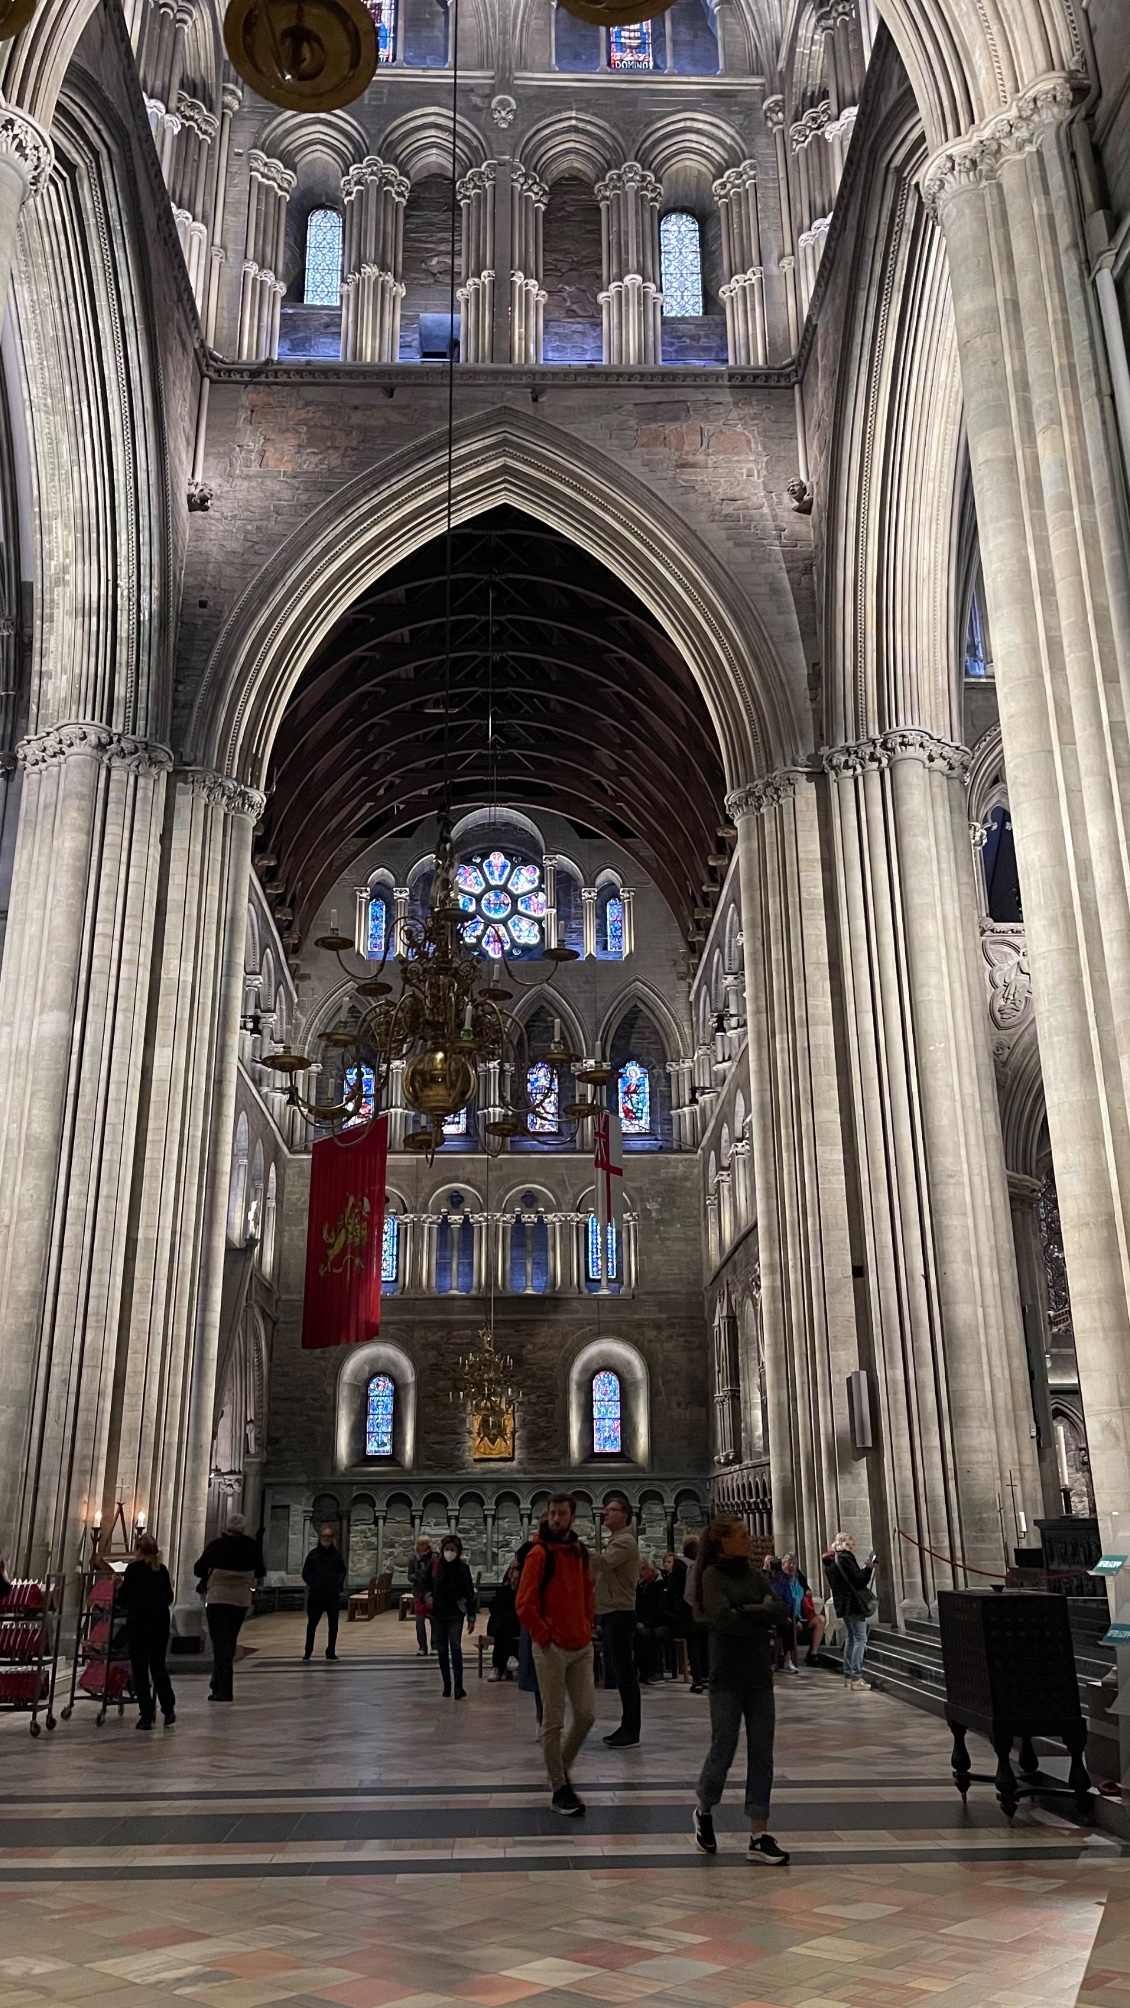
[
  {"x": 614, "y": 924},
  {"x": 680, "y": 258},
  {"x": 635, "y": 1099},
  {"x": 383, "y": 13},
  {"x": 629, "y": 48},
  {"x": 378, "y": 1416},
  {"x": 368, "y": 1094},
  {"x": 606, "y": 1435},
  {"x": 378, "y": 925},
  {"x": 390, "y": 1249},
  {"x": 541, "y": 1086},
  {"x": 323, "y": 259},
  {"x": 594, "y": 1251}
]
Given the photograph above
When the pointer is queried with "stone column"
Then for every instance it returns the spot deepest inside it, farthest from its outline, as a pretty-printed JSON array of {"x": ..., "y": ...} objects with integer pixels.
[
  {"x": 26, "y": 160},
  {"x": 808, "y": 1308},
  {"x": 632, "y": 301},
  {"x": 947, "y": 1349},
  {"x": 73, "y": 998},
  {"x": 231, "y": 98},
  {"x": 372, "y": 258},
  {"x": 262, "y": 288},
  {"x": 588, "y": 920},
  {"x": 774, "y": 109},
  {"x": 188, "y": 189},
  {"x": 1050, "y": 508},
  {"x": 476, "y": 194},
  {"x": 1024, "y": 1199},
  {"x": 744, "y": 290},
  {"x": 527, "y": 293}
]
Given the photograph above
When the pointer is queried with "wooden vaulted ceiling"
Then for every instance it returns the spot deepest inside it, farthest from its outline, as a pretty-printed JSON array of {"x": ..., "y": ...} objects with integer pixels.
[{"x": 565, "y": 695}]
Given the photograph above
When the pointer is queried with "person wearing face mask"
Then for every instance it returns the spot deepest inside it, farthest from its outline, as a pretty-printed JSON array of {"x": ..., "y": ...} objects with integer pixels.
[{"x": 453, "y": 1604}]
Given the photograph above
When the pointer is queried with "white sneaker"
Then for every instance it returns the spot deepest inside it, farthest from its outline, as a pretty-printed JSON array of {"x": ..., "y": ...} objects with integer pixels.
[
  {"x": 791, "y": 1667},
  {"x": 860, "y": 1686},
  {"x": 494, "y": 1674}
]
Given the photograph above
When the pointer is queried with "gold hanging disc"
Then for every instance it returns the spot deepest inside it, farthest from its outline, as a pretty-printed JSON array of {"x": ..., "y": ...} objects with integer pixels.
[
  {"x": 14, "y": 16},
  {"x": 616, "y": 14},
  {"x": 307, "y": 55}
]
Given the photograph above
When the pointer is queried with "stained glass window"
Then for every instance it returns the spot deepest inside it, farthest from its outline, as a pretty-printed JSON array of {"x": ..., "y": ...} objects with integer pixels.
[
  {"x": 635, "y": 1099},
  {"x": 384, "y": 21},
  {"x": 504, "y": 901},
  {"x": 323, "y": 259},
  {"x": 455, "y": 1125},
  {"x": 368, "y": 1091},
  {"x": 541, "y": 1086},
  {"x": 614, "y": 927},
  {"x": 390, "y": 1249},
  {"x": 606, "y": 1435},
  {"x": 630, "y": 48},
  {"x": 378, "y": 927},
  {"x": 976, "y": 662},
  {"x": 680, "y": 260},
  {"x": 378, "y": 1416},
  {"x": 594, "y": 1251}
]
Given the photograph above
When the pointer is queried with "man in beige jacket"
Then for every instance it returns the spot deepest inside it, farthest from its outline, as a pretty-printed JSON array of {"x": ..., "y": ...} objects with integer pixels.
[{"x": 616, "y": 1570}]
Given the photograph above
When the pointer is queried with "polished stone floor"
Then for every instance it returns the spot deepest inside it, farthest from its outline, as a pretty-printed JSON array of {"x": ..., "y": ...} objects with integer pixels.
[{"x": 342, "y": 1834}]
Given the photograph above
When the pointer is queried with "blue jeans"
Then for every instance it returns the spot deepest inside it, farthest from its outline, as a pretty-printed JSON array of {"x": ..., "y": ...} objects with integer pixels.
[
  {"x": 854, "y": 1647},
  {"x": 447, "y": 1637},
  {"x": 728, "y": 1709}
]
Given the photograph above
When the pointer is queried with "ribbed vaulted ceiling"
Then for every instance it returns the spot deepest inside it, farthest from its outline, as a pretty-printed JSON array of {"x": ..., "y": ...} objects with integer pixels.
[{"x": 564, "y": 695}]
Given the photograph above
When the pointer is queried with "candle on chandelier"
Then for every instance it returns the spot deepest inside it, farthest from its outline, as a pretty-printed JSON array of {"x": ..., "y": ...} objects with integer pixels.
[
  {"x": 333, "y": 920},
  {"x": 557, "y": 1031}
]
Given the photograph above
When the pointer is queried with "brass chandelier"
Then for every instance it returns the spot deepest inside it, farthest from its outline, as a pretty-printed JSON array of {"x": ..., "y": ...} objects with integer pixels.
[{"x": 450, "y": 1029}]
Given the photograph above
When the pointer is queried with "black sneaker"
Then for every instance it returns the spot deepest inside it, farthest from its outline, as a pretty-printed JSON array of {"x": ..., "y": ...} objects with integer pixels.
[
  {"x": 621, "y": 1740},
  {"x": 704, "y": 1832},
  {"x": 566, "y": 1802},
  {"x": 170, "y": 1718},
  {"x": 764, "y": 1853},
  {"x": 698, "y": 1687},
  {"x": 144, "y": 1723}
]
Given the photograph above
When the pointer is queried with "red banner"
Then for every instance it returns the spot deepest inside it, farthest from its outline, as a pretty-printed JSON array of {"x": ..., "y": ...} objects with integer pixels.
[{"x": 344, "y": 1239}]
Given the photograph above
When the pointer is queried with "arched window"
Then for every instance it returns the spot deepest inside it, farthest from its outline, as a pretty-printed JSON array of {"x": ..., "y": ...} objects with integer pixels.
[
  {"x": 631, "y": 48},
  {"x": 541, "y": 1086},
  {"x": 390, "y": 1250},
  {"x": 270, "y": 1224},
  {"x": 529, "y": 1248},
  {"x": 368, "y": 1094},
  {"x": 323, "y": 259},
  {"x": 606, "y": 1431},
  {"x": 680, "y": 258},
  {"x": 379, "y": 1411},
  {"x": 377, "y": 933},
  {"x": 384, "y": 21},
  {"x": 998, "y": 860},
  {"x": 455, "y": 1125},
  {"x": 504, "y": 899},
  {"x": 635, "y": 1099},
  {"x": 455, "y": 1249},
  {"x": 592, "y": 1264},
  {"x": 976, "y": 656},
  {"x": 614, "y": 927},
  {"x": 237, "y": 1191}
]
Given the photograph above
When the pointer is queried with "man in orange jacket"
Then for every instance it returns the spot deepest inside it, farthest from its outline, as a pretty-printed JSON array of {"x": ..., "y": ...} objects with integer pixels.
[{"x": 555, "y": 1602}]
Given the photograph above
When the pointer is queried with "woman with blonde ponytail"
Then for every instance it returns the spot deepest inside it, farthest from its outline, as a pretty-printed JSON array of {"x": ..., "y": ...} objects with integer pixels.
[{"x": 146, "y": 1596}]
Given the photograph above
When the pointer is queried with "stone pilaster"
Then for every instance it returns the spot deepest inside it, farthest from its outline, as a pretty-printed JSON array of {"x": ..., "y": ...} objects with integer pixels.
[
  {"x": 372, "y": 257},
  {"x": 1050, "y": 507},
  {"x": 632, "y": 300},
  {"x": 261, "y": 290},
  {"x": 476, "y": 194},
  {"x": 744, "y": 290},
  {"x": 798, "y": 1158},
  {"x": 527, "y": 293},
  {"x": 946, "y": 1340}
]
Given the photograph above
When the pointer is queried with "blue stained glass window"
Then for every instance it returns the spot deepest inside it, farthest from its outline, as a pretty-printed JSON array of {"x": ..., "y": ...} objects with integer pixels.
[
  {"x": 368, "y": 1092},
  {"x": 323, "y": 259},
  {"x": 455, "y": 1125},
  {"x": 606, "y": 1433},
  {"x": 469, "y": 879},
  {"x": 976, "y": 661},
  {"x": 680, "y": 259},
  {"x": 378, "y": 1416},
  {"x": 593, "y": 1264},
  {"x": 505, "y": 904},
  {"x": 523, "y": 879},
  {"x": 524, "y": 933},
  {"x": 496, "y": 905},
  {"x": 541, "y": 1086},
  {"x": 390, "y": 1249},
  {"x": 635, "y": 1099},
  {"x": 495, "y": 943},
  {"x": 384, "y": 21},
  {"x": 614, "y": 927},
  {"x": 497, "y": 867},
  {"x": 378, "y": 927},
  {"x": 630, "y": 48},
  {"x": 530, "y": 902}
]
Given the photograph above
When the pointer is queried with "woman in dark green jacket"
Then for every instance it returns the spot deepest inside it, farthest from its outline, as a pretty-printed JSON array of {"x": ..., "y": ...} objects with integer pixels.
[{"x": 742, "y": 1613}]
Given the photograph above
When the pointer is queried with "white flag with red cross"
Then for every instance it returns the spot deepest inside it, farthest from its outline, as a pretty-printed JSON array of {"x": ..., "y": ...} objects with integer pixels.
[{"x": 608, "y": 1169}]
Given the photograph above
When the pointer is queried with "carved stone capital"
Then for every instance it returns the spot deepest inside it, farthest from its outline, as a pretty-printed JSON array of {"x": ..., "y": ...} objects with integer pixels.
[
  {"x": 977, "y": 159},
  {"x": 774, "y": 109},
  {"x": 221, "y": 792},
  {"x": 905, "y": 742},
  {"x": 81, "y": 739},
  {"x": 502, "y": 110},
  {"x": 1005, "y": 949},
  {"x": 25, "y": 148},
  {"x": 759, "y": 796}
]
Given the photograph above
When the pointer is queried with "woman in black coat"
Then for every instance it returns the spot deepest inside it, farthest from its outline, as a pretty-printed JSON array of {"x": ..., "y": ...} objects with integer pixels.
[
  {"x": 145, "y": 1594},
  {"x": 854, "y": 1599},
  {"x": 453, "y": 1604},
  {"x": 503, "y": 1625}
]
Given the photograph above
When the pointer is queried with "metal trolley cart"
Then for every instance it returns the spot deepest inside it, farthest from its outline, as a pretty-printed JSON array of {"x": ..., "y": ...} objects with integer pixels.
[
  {"x": 30, "y": 1617},
  {"x": 100, "y": 1671}
]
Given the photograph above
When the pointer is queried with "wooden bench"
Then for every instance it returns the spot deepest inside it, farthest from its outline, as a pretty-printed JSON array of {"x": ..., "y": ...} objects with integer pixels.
[{"x": 369, "y": 1603}]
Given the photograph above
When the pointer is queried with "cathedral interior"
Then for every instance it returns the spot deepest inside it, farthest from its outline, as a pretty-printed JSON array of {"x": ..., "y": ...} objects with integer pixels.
[{"x": 663, "y": 488}]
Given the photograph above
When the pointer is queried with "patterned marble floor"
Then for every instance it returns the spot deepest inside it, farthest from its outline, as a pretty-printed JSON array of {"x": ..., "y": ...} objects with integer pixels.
[{"x": 342, "y": 1834}]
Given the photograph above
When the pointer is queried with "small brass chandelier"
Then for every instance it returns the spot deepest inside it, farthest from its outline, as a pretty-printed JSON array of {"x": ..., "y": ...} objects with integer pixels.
[
  {"x": 451, "y": 1030},
  {"x": 485, "y": 1380}
]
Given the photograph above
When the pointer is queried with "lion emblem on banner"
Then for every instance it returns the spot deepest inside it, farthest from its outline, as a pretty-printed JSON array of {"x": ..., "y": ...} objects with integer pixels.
[{"x": 344, "y": 1241}]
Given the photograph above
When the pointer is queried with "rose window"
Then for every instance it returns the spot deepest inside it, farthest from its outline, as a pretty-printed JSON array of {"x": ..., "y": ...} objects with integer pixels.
[{"x": 504, "y": 901}]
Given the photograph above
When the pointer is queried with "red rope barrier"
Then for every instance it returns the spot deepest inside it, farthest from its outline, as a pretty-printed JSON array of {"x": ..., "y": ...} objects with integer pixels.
[{"x": 993, "y": 1575}]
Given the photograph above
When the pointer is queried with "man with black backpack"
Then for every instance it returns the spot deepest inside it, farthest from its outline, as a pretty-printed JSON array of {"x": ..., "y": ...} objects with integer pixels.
[{"x": 555, "y": 1605}]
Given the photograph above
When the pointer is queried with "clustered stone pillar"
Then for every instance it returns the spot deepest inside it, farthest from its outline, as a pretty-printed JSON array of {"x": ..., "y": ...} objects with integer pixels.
[
  {"x": 744, "y": 291},
  {"x": 844, "y": 71},
  {"x": 527, "y": 293},
  {"x": 372, "y": 256},
  {"x": 632, "y": 300},
  {"x": 945, "y": 1337},
  {"x": 260, "y": 298},
  {"x": 812, "y": 210},
  {"x": 188, "y": 188},
  {"x": 476, "y": 194},
  {"x": 1050, "y": 504}
]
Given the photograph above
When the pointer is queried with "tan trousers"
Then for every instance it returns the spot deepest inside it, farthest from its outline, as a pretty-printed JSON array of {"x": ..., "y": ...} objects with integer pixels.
[{"x": 562, "y": 1673}]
